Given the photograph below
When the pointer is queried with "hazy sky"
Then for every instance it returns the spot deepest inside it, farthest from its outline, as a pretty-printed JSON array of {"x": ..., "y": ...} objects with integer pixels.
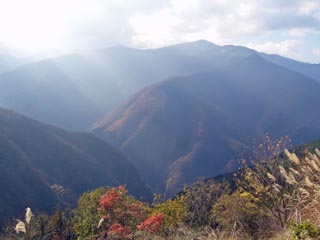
[{"x": 287, "y": 27}]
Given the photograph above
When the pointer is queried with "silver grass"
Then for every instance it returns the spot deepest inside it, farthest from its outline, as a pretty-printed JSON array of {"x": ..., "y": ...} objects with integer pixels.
[
  {"x": 308, "y": 182},
  {"x": 304, "y": 191},
  {"x": 315, "y": 165},
  {"x": 309, "y": 169},
  {"x": 287, "y": 195},
  {"x": 317, "y": 152},
  {"x": 292, "y": 178},
  {"x": 290, "y": 181},
  {"x": 283, "y": 171},
  {"x": 20, "y": 227},
  {"x": 295, "y": 172},
  {"x": 271, "y": 177},
  {"x": 292, "y": 156},
  {"x": 305, "y": 170},
  {"x": 100, "y": 222},
  {"x": 278, "y": 186},
  {"x": 275, "y": 188},
  {"x": 29, "y": 215},
  {"x": 313, "y": 157}
]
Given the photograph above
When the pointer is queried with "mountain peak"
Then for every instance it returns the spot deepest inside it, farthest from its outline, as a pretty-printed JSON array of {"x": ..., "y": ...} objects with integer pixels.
[
  {"x": 195, "y": 47},
  {"x": 204, "y": 42},
  {"x": 199, "y": 43}
]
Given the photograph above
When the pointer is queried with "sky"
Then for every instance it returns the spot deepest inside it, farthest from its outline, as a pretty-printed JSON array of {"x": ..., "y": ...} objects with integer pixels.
[{"x": 287, "y": 27}]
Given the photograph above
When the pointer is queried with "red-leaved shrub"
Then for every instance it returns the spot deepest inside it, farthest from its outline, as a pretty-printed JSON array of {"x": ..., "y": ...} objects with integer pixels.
[
  {"x": 153, "y": 224},
  {"x": 123, "y": 215},
  {"x": 117, "y": 230}
]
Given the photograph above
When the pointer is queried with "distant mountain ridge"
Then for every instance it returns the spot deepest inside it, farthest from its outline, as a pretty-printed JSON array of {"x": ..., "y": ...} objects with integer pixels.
[
  {"x": 43, "y": 91},
  {"x": 38, "y": 161},
  {"x": 307, "y": 69},
  {"x": 84, "y": 87},
  {"x": 195, "y": 126},
  {"x": 8, "y": 62}
]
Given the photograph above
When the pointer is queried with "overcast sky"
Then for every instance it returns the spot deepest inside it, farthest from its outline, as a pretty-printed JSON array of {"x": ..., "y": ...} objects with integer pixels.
[{"x": 287, "y": 27}]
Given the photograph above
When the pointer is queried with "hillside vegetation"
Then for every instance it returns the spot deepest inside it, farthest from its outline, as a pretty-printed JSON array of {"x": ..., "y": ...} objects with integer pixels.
[{"x": 275, "y": 197}]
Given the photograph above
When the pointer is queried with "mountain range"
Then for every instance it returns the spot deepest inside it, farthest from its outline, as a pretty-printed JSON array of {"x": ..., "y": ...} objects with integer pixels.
[
  {"x": 85, "y": 87},
  {"x": 197, "y": 125}
]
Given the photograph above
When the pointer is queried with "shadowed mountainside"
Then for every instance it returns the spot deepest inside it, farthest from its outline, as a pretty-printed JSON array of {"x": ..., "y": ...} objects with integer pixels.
[
  {"x": 41, "y": 165},
  {"x": 307, "y": 69}
]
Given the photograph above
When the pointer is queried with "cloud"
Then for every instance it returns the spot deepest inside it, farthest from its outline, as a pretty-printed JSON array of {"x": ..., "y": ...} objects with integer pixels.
[
  {"x": 307, "y": 7},
  {"x": 110, "y": 24},
  {"x": 274, "y": 26},
  {"x": 85, "y": 24},
  {"x": 301, "y": 32},
  {"x": 39, "y": 24},
  {"x": 191, "y": 20},
  {"x": 316, "y": 52},
  {"x": 225, "y": 21}
]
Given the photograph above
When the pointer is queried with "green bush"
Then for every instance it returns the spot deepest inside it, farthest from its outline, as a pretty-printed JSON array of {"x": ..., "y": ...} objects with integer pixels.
[
  {"x": 304, "y": 230},
  {"x": 86, "y": 216},
  {"x": 175, "y": 211}
]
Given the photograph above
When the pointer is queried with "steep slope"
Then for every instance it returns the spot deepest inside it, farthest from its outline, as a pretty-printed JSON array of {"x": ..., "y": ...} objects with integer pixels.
[
  {"x": 187, "y": 127},
  {"x": 36, "y": 160}
]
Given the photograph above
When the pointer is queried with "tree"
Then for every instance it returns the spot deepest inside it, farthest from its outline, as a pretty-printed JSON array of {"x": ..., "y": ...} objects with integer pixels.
[
  {"x": 175, "y": 211},
  {"x": 241, "y": 213},
  {"x": 264, "y": 180},
  {"x": 59, "y": 226},
  {"x": 200, "y": 198},
  {"x": 86, "y": 216}
]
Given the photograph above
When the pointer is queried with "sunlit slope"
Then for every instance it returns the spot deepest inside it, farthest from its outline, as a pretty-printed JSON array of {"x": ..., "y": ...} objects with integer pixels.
[{"x": 195, "y": 126}]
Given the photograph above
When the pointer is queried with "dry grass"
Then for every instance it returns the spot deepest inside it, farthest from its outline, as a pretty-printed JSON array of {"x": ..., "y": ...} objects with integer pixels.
[
  {"x": 185, "y": 233},
  {"x": 285, "y": 235}
]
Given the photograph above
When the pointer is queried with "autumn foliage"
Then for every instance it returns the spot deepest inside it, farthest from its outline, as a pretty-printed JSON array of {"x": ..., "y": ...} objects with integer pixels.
[
  {"x": 124, "y": 216},
  {"x": 112, "y": 197},
  {"x": 117, "y": 230},
  {"x": 153, "y": 224}
]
